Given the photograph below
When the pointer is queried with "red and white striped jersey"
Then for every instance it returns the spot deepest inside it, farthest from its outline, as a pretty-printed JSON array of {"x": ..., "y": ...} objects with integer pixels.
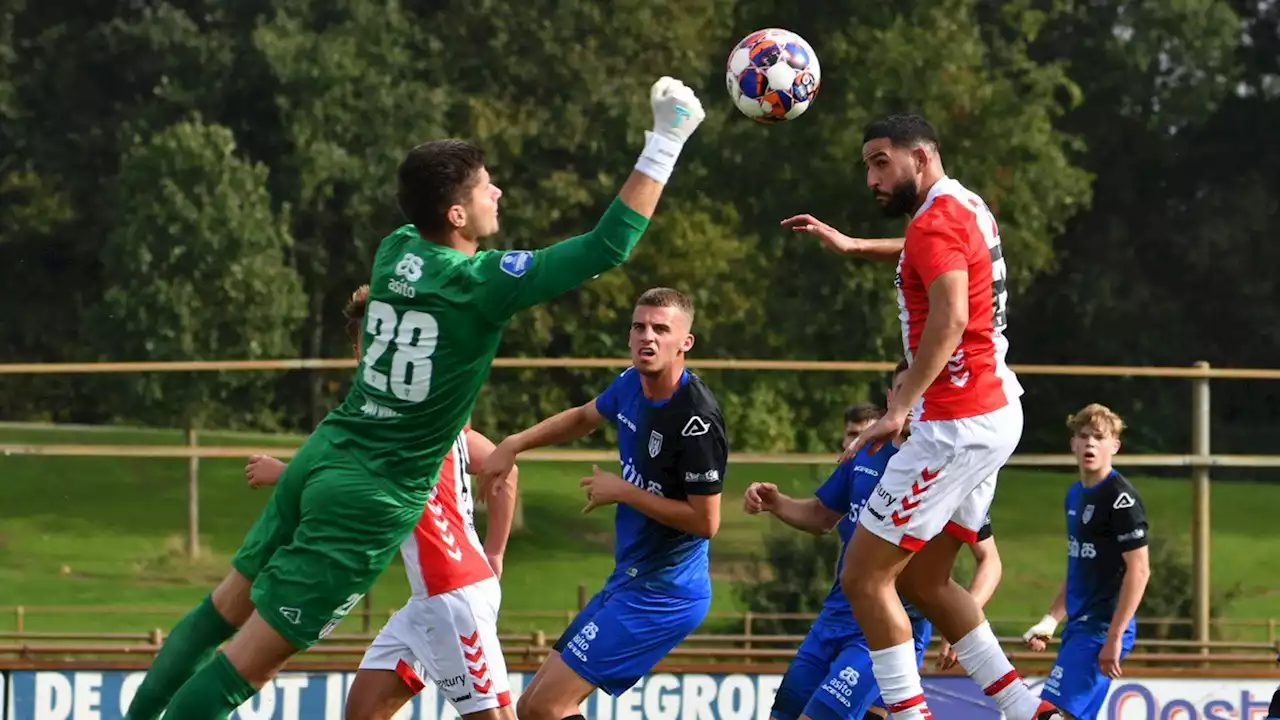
[
  {"x": 954, "y": 230},
  {"x": 444, "y": 552}
]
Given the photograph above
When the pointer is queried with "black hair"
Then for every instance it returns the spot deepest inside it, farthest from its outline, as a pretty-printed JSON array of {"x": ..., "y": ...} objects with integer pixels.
[
  {"x": 902, "y": 130},
  {"x": 434, "y": 176},
  {"x": 862, "y": 412}
]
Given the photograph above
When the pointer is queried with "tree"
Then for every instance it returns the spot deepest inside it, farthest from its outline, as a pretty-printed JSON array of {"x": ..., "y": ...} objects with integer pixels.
[
  {"x": 196, "y": 267},
  {"x": 1154, "y": 77}
]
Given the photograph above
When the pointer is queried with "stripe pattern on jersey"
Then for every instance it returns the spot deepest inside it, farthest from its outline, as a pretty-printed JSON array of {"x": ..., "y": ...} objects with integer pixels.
[{"x": 444, "y": 552}]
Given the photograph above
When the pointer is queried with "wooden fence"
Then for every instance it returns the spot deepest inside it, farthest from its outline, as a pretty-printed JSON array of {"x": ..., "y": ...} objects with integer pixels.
[
  {"x": 746, "y": 648},
  {"x": 1200, "y": 458}
]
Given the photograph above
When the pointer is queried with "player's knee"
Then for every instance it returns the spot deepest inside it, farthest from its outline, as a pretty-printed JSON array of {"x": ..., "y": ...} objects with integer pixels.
[
  {"x": 231, "y": 598},
  {"x": 861, "y": 589},
  {"x": 258, "y": 651},
  {"x": 917, "y": 591},
  {"x": 529, "y": 708},
  {"x": 533, "y": 707}
]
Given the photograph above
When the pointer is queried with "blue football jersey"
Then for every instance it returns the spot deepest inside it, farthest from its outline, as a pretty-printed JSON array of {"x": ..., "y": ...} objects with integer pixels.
[
  {"x": 846, "y": 491},
  {"x": 673, "y": 448},
  {"x": 1103, "y": 522}
]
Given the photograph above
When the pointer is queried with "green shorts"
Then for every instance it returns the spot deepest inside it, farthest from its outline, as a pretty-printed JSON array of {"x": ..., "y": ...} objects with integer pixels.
[{"x": 327, "y": 533}]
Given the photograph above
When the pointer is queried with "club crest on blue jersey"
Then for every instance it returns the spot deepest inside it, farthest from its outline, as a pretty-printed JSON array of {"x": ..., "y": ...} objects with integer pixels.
[
  {"x": 655, "y": 443},
  {"x": 1088, "y": 515},
  {"x": 516, "y": 262}
]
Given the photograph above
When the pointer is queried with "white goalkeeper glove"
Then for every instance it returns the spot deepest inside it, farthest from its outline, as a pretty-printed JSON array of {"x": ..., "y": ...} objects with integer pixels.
[
  {"x": 677, "y": 112},
  {"x": 1043, "y": 629}
]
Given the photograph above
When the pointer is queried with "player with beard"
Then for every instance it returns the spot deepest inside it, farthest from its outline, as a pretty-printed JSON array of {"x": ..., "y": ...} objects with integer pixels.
[
  {"x": 671, "y": 441},
  {"x": 936, "y": 491}
]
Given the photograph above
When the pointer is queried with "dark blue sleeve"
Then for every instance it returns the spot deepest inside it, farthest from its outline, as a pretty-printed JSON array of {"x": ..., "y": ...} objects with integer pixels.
[
  {"x": 607, "y": 402},
  {"x": 834, "y": 493}
]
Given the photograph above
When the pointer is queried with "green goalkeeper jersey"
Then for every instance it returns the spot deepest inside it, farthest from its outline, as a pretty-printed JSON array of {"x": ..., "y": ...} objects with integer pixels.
[{"x": 433, "y": 321}]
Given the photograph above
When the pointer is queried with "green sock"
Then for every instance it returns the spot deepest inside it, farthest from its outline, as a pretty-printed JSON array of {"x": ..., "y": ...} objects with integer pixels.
[
  {"x": 193, "y": 641},
  {"x": 213, "y": 693}
]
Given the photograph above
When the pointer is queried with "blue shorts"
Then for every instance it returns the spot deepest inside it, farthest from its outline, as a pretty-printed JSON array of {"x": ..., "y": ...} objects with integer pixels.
[
  {"x": 1076, "y": 684},
  {"x": 621, "y": 634},
  {"x": 830, "y": 677}
]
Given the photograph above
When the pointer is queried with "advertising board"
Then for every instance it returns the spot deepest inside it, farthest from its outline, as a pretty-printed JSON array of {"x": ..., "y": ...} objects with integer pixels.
[{"x": 90, "y": 695}]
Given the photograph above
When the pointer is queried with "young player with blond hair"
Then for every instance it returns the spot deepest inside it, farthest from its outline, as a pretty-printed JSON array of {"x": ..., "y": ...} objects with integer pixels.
[{"x": 1107, "y": 571}]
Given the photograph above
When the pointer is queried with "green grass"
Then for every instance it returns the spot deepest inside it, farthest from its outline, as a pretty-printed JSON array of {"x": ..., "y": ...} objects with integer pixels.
[{"x": 105, "y": 535}]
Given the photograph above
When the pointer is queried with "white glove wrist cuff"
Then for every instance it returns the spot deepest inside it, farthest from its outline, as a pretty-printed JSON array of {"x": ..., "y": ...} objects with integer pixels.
[{"x": 658, "y": 159}]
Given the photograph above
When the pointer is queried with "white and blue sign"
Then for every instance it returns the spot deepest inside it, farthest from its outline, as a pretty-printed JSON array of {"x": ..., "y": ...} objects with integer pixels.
[{"x": 87, "y": 695}]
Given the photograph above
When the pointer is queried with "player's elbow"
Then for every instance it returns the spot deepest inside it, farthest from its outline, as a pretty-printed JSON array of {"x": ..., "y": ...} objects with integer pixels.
[
  {"x": 612, "y": 245},
  {"x": 617, "y": 233},
  {"x": 1138, "y": 570},
  {"x": 953, "y": 320},
  {"x": 706, "y": 526}
]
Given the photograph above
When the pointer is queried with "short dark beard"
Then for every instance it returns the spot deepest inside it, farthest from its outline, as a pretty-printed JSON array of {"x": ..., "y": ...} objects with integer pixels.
[{"x": 902, "y": 200}]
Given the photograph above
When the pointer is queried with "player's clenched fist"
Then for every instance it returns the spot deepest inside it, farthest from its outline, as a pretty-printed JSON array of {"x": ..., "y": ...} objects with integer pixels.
[
  {"x": 677, "y": 112},
  {"x": 760, "y": 497},
  {"x": 262, "y": 470},
  {"x": 1037, "y": 636}
]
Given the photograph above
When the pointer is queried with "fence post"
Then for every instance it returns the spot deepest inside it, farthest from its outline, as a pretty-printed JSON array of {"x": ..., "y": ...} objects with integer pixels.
[
  {"x": 193, "y": 496},
  {"x": 1200, "y": 447}
]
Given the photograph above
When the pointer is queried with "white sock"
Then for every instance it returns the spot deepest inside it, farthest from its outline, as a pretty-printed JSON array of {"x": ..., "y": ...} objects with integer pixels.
[
  {"x": 899, "y": 679},
  {"x": 980, "y": 654}
]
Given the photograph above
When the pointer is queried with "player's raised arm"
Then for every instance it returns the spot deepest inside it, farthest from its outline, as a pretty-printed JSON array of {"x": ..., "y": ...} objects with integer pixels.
[
  {"x": 492, "y": 474},
  {"x": 879, "y": 249},
  {"x": 521, "y": 278}
]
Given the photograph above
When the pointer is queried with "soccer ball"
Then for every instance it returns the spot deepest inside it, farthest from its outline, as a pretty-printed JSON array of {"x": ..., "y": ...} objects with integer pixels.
[{"x": 772, "y": 75}]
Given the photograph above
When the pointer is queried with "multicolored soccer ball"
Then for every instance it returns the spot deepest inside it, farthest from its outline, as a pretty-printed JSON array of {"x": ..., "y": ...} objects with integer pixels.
[{"x": 773, "y": 75}]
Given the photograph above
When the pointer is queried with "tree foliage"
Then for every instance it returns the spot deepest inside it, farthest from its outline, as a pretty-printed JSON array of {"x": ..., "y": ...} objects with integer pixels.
[
  {"x": 1087, "y": 124},
  {"x": 195, "y": 267}
]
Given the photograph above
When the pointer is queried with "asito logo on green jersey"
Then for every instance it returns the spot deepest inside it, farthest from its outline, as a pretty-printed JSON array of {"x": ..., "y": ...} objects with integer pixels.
[{"x": 409, "y": 268}]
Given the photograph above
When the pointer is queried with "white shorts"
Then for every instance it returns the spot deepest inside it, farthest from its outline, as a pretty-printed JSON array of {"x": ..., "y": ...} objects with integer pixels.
[
  {"x": 452, "y": 639},
  {"x": 943, "y": 478}
]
